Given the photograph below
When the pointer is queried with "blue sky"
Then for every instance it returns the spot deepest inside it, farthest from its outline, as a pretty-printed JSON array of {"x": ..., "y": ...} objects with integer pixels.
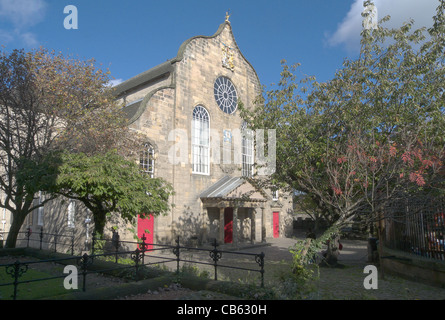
[{"x": 130, "y": 37}]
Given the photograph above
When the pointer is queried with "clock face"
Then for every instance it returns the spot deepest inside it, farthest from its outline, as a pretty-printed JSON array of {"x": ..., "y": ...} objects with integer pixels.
[{"x": 225, "y": 95}]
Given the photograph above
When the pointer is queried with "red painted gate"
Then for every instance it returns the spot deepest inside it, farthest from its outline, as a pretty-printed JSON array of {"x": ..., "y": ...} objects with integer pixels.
[
  {"x": 145, "y": 226},
  {"x": 276, "y": 224},
  {"x": 228, "y": 225}
]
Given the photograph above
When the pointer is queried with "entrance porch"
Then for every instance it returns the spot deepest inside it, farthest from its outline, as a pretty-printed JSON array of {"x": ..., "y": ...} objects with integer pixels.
[{"x": 234, "y": 211}]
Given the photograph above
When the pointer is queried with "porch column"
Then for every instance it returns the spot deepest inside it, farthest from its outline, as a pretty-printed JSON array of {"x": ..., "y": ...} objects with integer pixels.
[
  {"x": 263, "y": 224},
  {"x": 235, "y": 226},
  {"x": 221, "y": 225},
  {"x": 205, "y": 225},
  {"x": 258, "y": 222}
]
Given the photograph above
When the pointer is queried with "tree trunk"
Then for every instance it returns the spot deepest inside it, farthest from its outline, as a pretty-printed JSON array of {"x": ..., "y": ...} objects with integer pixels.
[
  {"x": 99, "y": 218},
  {"x": 17, "y": 222}
]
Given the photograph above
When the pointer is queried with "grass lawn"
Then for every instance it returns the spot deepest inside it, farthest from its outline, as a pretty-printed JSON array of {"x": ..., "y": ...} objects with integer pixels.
[{"x": 32, "y": 290}]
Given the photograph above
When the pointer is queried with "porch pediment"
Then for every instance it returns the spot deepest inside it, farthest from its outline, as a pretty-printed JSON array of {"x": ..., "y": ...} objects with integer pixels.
[{"x": 234, "y": 189}]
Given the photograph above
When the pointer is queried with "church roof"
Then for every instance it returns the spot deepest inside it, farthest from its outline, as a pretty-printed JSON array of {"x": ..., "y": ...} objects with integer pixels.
[
  {"x": 154, "y": 73},
  {"x": 160, "y": 70}
]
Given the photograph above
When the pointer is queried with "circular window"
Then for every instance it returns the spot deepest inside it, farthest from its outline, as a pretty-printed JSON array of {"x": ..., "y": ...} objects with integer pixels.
[{"x": 225, "y": 95}]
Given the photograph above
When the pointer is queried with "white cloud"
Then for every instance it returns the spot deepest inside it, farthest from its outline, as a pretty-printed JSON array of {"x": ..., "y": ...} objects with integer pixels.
[
  {"x": 29, "y": 39},
  {"x": 348, "y": 31},
  {"x": 21, "y": 14},
  {"x": 115, "y": 82}
]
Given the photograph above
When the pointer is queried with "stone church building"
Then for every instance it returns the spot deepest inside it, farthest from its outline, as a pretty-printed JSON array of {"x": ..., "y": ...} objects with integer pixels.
[{"x": 187, "y": 108}]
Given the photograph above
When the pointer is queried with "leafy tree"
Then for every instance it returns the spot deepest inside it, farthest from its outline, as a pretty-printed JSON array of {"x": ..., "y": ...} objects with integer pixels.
[
  {"x": 372, "y": 133},
  {"x": 50, "y": 102},
  {"x": 108, "y": 183}
]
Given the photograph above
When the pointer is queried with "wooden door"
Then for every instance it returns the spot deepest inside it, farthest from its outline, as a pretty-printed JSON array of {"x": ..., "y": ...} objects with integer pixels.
[
  {"x": 276, "y": 224},
  {"x": 228, "y": 225},
  {"x": 146, "y": 227}
]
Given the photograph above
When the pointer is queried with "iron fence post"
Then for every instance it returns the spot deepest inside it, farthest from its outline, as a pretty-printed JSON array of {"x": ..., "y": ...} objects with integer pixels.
[
  {"x": 41, "y": 237},
  {"x": 136, "y": 257},
  {"x": 16, "y": 271},
  {"x": 84, "y": 262},
  {"x": 28, "y": 235},
  {"x": 259, "y": 258},
  {"x": 215, "y": 254},
  {"x": 177, "y": 254},
  {"x": 143, "y": 247},
  {"x": 72, "y": 244}
]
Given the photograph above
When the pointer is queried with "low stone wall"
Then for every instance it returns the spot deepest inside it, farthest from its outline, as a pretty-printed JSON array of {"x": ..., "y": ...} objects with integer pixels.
[{"x": 413, "y": 267}]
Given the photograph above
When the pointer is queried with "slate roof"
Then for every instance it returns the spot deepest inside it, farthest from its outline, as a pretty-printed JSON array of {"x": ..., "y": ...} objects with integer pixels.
[
  {"x": 233, "y": 188},
  {"x": 222, "y": 188}
]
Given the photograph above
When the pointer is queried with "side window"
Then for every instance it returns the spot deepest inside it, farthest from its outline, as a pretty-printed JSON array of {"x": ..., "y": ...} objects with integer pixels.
[
  {"x": 275, "y": 195},
  {"x": 71, "y": 213},
  {"x": 147, "y": 160},
  {"x": 40, "y": 210}
]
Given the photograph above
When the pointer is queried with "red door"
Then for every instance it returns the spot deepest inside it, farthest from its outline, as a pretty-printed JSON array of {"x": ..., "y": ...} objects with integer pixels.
[
  {"x": 276, "y": 224},
  {"x": 145, "y": 227},
  {"x": 228, "y": 225}
]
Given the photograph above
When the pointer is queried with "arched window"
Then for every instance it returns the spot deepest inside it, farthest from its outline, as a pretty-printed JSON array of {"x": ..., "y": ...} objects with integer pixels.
[
  {"x": 200, "y": 140},
  {"x": 147, "y": 160}
]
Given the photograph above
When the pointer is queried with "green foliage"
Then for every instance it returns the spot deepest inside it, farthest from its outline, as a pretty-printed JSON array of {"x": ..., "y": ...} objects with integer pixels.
[
  {"x": 108, "y": 183},
  {"x": 304, "y": 251},
  {"x": 371, "y": 133},
  {"x": 194, "y": 270},
  {"x": 51, "y": 102}
]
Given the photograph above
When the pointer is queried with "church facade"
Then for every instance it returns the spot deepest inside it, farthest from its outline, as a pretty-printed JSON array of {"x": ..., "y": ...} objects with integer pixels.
[{"x": 187, "y": 108}]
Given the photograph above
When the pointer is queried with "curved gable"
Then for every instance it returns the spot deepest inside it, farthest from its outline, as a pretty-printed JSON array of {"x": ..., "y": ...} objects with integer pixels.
[{"x": 222, "y": 27}]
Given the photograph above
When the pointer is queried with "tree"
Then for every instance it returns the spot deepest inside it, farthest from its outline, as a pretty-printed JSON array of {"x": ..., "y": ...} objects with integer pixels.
[
  {"x": 372, "y": 133},
  {"x": 108, "y": 183},
  {"x": 50, "y": 102}
]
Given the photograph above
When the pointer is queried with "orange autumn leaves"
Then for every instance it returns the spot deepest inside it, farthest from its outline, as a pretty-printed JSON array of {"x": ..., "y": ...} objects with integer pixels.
[
  {"x": 408, "y": 163},
  {"x": 77, "y": 95}
]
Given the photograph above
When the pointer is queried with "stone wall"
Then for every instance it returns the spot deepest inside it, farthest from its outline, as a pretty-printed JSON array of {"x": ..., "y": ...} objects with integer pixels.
[{"x": 413, "y": 267}]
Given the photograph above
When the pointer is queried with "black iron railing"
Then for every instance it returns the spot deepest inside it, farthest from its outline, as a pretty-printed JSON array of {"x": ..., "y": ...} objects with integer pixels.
[
  {"x": 145, "y": 254},
  {"x": 39, "y": 238},
  {"x": 417, "y": 227}
]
